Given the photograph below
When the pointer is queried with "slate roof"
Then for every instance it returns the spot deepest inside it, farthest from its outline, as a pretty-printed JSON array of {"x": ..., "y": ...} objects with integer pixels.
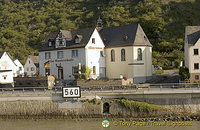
[
  {"x": 84, "y": 34},
  {"x": 192, "y": 34},
  {"x": 127, "y": 35}
]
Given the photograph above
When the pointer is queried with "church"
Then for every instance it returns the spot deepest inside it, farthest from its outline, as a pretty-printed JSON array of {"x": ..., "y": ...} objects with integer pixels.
[{"x": 110, "y": 52}]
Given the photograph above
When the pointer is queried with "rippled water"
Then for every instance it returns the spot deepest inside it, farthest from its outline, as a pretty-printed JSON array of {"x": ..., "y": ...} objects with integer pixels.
[{"x": 84, "y": 125}]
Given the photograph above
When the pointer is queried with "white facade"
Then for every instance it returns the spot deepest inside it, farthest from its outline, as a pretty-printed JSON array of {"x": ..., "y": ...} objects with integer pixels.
[
  {"x": 6, "y": 63},
  {"x": 64, "y": 62},
  {"x": 6, "y": 76},
  {"x": 30, "y": 68},
  {"x": 20, "y": 67}
]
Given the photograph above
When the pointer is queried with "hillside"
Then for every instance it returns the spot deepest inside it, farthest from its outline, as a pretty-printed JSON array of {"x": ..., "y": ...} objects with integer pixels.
[{"x": 24, "y": 24}]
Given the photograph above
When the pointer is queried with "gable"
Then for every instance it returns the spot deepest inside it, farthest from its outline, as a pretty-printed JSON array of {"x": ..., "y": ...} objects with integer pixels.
[
  {"x": 96, "y": 38},
  {"x": 141, "y": 38},
  {"x": 6, "y": 62}
]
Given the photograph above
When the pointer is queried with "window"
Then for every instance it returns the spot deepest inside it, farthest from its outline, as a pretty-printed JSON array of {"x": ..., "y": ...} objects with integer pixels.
[
  {"x": 139, "y": 54},
  {"x": 50, "y": 43},
  {"x": 4, "y": 77},
  {"x": 123, "y": 55},
  {"x": 32, "y": 68},
  {"x": 20, "y": 68},
  {"x": 94, "y": 69},
  {"x": 47, "y": 71},
  {"x": 196, "y": 66},
  {"x": 196, "y": 77},
  {"x": 27, "y": 69},
  {"x": 74, "y": 53},
  {"x": 74, "y": 70},
  {"x": 76, "y": 40},
  {"x": 47, "y": 55},
  {"x": 196, "y": 52},
  {"x": 60, "y": 42},
  {"x": 60, "y": 54},
  {"x": 112, "y": 55},
  {"x": 101, "y": 54},
  {"x": 93, "y": 40}
]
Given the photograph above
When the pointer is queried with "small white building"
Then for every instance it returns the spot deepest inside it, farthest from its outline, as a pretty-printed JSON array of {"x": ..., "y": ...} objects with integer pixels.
[
  {"x": 6, "y": 77},
  {"x": 9, "y": 68},
  {"x": 31, "y": 66},
  {"x": 20, "y": 68},
  {"x": 7, "y": 63}
]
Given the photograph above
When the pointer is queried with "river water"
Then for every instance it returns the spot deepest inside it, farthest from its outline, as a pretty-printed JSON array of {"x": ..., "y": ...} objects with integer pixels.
[{"x": 88, "y": 125}]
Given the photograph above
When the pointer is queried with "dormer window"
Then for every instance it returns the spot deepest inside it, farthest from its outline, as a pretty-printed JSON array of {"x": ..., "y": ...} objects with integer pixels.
[
  {"x": 50, "y": 43},
  {"x": 77, "y": 40},
  {"x": 93, "y": 40},
  {"x": 60, "y": 35},
  {"x": 125, "y": 38}
]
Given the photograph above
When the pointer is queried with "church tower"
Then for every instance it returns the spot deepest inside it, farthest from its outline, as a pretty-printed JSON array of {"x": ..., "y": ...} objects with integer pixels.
[{"x": 99, "y": 24}]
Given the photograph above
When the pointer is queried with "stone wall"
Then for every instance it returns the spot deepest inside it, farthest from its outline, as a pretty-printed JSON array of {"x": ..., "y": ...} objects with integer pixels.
[
  {"x": 34, "y": 81},
  {"x": 50, "y": 108},
  {"x": 104, "y": 82}
]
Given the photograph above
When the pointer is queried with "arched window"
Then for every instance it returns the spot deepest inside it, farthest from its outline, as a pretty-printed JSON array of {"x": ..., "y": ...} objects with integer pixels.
[
  {"x": 106, "y": 107},
  {"x": 139, "y": 54},
  {"x": 123, "y": 55},
  {"x": 112, "y": 55}
]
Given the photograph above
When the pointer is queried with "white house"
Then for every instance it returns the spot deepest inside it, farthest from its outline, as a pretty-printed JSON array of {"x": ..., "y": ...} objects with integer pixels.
[
  {"x": 8, "y": 68},
  {"x": 6, "y": 77},
  {"x": 63, "y": 51},
  {"x": 31, "y": 66},
  {"x": 7, "y": 63},
  {"x": 191, "y": 51},
  {"x": 20, "y": 67},
  {"x": 109, "y": 52}
]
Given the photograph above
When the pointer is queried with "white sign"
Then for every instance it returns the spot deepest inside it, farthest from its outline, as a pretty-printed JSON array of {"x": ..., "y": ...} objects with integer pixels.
[{"x": 71, "y": 92}]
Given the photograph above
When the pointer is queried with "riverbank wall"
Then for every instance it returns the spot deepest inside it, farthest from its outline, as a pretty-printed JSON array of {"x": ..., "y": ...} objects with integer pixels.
[{"x": 52, "y": 104}]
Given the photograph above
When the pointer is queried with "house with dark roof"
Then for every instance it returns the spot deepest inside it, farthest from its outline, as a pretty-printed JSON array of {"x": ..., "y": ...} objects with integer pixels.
[
  {"x": 128, "y": 52},
  {"x": 64, "y": 51},
  {"x": 110, "y": 52},
  {"x": 31, "y": 66},
  {"x": 191, "y": 51}
]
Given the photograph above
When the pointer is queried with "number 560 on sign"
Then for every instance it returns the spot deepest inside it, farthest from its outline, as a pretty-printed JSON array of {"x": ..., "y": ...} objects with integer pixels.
[{"x": 71, "y": 92}]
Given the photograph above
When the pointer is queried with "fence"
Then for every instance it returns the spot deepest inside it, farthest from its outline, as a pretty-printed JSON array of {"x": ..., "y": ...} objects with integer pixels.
[{"x": 136, "y": 87}]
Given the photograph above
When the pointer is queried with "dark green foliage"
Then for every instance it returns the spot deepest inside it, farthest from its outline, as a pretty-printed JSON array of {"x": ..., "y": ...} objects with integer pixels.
[
  {"x": 24, "y": 24},
  {"x": 184, "y": 73},
  {"x": 85, "y": 73},
  {"x": 140, "y": 106}
]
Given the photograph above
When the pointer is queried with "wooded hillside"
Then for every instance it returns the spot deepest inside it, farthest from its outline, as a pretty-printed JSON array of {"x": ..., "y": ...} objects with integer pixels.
[{"x": 24, "y": 24}]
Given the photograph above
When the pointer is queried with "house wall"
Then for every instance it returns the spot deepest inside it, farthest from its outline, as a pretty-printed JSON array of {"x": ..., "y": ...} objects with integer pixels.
[
  {"x": 27, "y": 67},
  {"x": 67, "y": 62},
  {"x": 193, "y": 59},
  {"x": 19, "y": 72},
  {"x": 93, "y": 55},
  {"x": 140, "y": 71},
  {"x": 7, "y": 64},
  {"x": 8, "y": 77}
]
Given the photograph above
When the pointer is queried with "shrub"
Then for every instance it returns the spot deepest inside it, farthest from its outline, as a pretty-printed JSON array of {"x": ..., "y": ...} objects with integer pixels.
[{"x": 184, "y": 73}]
